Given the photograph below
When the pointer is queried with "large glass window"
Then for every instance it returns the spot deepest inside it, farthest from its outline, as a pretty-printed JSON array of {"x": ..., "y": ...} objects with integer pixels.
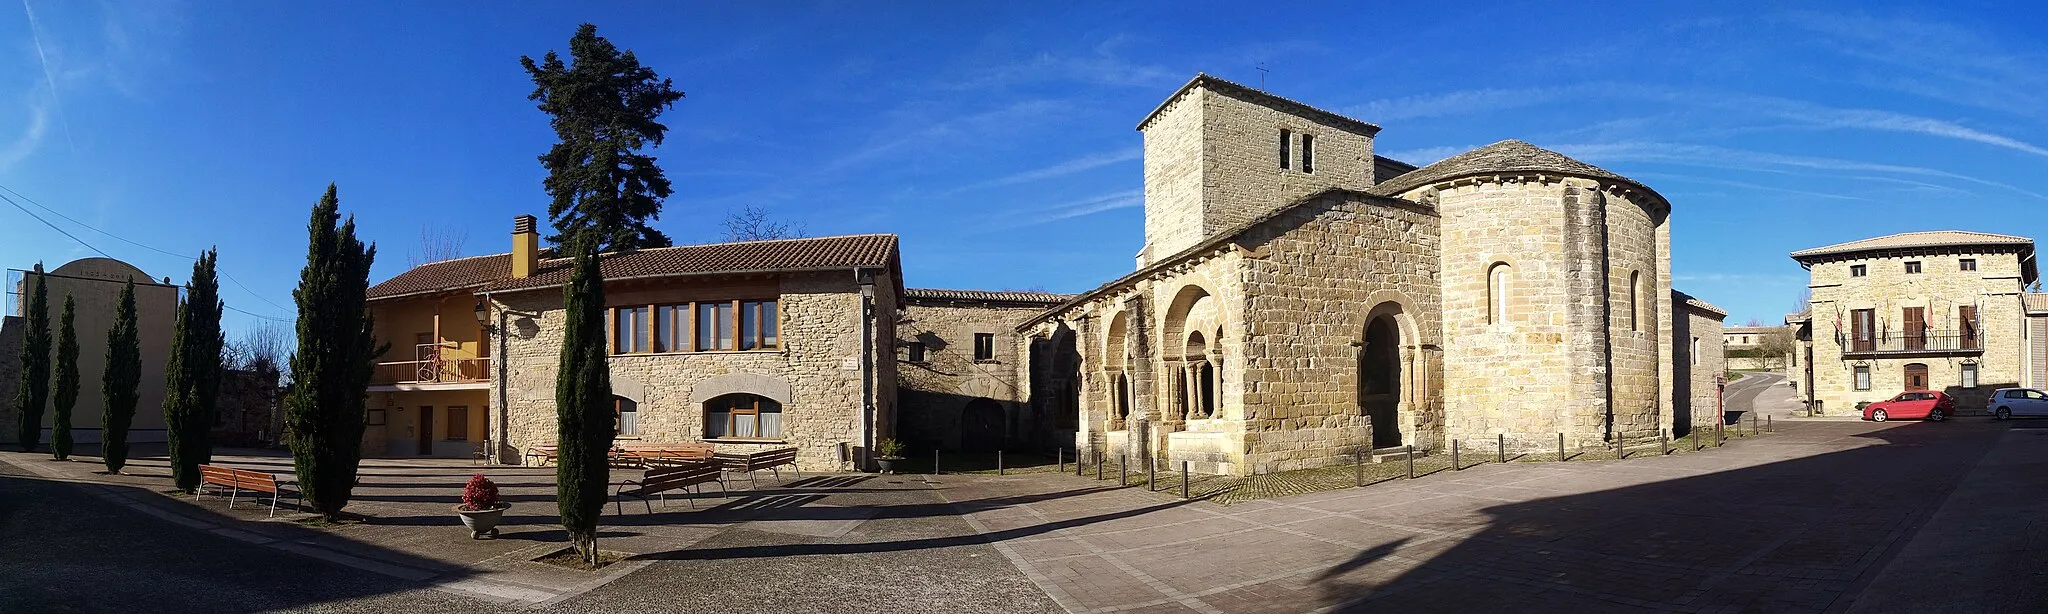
[
  {"x": 696, "y": 327},
  {"x": 629, "y": 330},
  {"x": 742, "y": 416}
]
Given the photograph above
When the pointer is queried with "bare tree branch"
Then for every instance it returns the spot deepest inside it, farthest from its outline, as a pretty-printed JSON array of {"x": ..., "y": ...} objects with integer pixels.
[
  {"x": 437, "y": 243},
  {"x": 752, "y": 223}
]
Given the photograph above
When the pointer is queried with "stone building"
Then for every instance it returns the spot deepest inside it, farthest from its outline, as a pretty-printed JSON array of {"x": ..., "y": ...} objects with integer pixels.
[
  {"x": 960, "y": 365},
  {"x": 95, "y": 286},
  {"x": 1299, "y": 299},
  {"x": 1697, "y": 366},
  {"x": 1938, "y": 310},
  {"x": 750, "y": 345}
]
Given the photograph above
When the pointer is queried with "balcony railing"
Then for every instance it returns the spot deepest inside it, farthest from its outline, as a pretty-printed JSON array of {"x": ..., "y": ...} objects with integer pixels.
[
  {"x": 1923, "y": 341},
  {"x": 434, "y": 364}
]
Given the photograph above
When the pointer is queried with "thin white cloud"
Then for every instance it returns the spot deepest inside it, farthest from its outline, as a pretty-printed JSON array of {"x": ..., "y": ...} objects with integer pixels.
[
  {"x": 1123, "y": 199},
  {"x": 1746, "y": 186},
  {"x": 1101, "y": 65},
  {"x": 42, "y": 57},
  {"x": 37, "y": 127},
  {"x": 1736, "y": 159},
  {"x": 1084, "y": 163},
  {"x": 1465, "y": 102},
  {"x": 977, "y": 124}
]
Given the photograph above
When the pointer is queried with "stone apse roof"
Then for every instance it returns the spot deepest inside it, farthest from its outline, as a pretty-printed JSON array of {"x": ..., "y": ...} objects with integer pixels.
[
  {"x": 493, "y": 273},
  {"x": 1915, "y": 240},
  {"x": 1509, "y": 156}
]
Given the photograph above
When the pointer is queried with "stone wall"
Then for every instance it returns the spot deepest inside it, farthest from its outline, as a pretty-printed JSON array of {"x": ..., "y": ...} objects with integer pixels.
[
  {"x": 935, "y": 393},
  {"x": 815, "y": 374},
  {"x": 1640, "y": 319},
  {"x": 1697, "y": 360},
  {"x": 1995, "y": 289}
]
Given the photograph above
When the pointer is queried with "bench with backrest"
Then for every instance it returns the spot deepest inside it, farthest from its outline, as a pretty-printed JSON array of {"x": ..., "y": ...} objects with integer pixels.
[
  {"x": 234, "y": 481},
  {"x": 646, "y": 454},
  {"x": 657, "y": 480},
  {"x": 750, "y": 462},
  {"x": 539, "y": 456}
]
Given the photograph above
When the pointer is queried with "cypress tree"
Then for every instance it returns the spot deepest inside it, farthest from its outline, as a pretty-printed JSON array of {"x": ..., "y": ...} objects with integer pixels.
[
  {"x": 65, "y": 396},
  {"x": 192, "y": 376},
  {"x": 331, "y": 369},
  {"x": 121, "y": 383},
  {"x": 34, "y": 392},
  {"x": 583, "y": 405}
]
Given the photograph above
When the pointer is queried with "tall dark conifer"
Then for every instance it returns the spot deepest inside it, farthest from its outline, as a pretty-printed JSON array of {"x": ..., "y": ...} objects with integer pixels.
[
  {"x": 65, "y": 397},
  {"x": 192, "y": 376},
  {"x": 34, "y": 393},
  {"x": 330, "y": 371},
  {"x": 583, "y": 405},
  {"x": 603, "y": 106},
  {"x": 121, "y": 383}
]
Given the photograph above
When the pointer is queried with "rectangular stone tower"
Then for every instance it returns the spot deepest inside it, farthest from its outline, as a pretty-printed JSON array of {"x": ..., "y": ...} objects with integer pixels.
[{"x": 1219, "y": 154}]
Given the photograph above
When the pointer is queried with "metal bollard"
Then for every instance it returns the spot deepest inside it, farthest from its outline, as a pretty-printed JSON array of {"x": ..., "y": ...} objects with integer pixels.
[
  {"x": 1059, "y": 455},
  {"x": 1454, "y": 456},
  {"x": 1663, "y": 442},
  {"x": 1501, "y": 445},
  {"x": 1123, "y": 469},
  {"x": 1720, "y": 432},
  {"x": 1152, "y": 475},
  {"x": 1358, "y": 467},
  {"x": 935, "y": 462},
  {"x": 999, "y": 462},
  {"x": 1183, "y": 479},
  {"x": 1098, "y": 465},
  {"x": 1560, "y": 447},
  {"x": 1411, "y": 462},
  {"x": 1767, "y": 425}
]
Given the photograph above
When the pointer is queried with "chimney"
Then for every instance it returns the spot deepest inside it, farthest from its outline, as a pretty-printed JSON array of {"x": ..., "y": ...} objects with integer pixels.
[{"x": 525, "y": 247}]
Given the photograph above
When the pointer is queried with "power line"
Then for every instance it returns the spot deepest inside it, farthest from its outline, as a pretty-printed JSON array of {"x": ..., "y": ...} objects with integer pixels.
[
  {"x": 102, "y": 252},
  {"x": 231, "y": 278}
]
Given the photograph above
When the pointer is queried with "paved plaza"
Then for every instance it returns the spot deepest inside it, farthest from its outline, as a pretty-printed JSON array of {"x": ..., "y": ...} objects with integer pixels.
[{"x": 1821, "y": 516}]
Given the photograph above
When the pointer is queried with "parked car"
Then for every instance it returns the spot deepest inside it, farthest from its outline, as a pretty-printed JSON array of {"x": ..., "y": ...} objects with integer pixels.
[
  {"x": 2009, "y": 402},
  {"x": 1912, "y": 405}
]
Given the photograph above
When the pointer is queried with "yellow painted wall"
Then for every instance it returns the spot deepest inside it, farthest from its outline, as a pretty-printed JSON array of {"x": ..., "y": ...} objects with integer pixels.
[
  {"x": 399, "y": 436},
  {"x": 398, "y": 323}
]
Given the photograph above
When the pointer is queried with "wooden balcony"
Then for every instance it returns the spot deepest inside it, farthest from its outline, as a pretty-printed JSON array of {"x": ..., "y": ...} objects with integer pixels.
[
  {"x": 1923, "y": 342},
  {"x": 433, "y": 367}
]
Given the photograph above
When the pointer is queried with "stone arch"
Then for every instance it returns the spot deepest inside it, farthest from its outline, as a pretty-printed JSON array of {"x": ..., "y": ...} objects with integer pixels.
[
  {"x": 981, "y": 425},
  {"x": 1064, "y": 383},
  {"x": 1500, "y": 289},
  {"x": 1193, "y": 352},
  {"x": 774, "y": 388},
  {"x": 629, "y": 388},
  {"x": 1390, "y": 382}
]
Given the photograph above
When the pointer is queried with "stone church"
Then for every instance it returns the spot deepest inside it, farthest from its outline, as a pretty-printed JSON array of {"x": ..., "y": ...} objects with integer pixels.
[{"x": 1299, "y": 299}]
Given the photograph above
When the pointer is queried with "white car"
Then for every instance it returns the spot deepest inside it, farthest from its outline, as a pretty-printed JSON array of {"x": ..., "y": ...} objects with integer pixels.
[{"x": 2009, "y": 402}]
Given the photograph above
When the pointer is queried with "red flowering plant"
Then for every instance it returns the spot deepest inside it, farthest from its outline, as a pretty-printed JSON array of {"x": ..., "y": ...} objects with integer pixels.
[{"x": 480, "y": 494}]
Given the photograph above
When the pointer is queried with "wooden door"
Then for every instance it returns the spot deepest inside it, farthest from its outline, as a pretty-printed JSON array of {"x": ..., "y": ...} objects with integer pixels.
[
  {"x": 1916, "y": 376},
  {"x": 1966, "y": 326},
  {"x": 426, "y": 430},
  {"x": 1916, "y": 328},
  {"x": 1861, "y": 322}
]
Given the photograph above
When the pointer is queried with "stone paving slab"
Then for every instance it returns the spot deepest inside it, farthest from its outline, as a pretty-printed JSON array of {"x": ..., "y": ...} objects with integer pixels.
[{"x": 1783, "y": 523}]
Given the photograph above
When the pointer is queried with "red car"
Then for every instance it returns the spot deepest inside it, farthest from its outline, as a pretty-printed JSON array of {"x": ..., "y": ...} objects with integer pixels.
[{"x": 1919, "y": 404}]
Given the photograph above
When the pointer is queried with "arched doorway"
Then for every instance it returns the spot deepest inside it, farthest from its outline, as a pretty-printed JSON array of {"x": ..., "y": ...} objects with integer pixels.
[
  {"x": 981, "y": 426},
  {"x": 1379, "y": 378},
  {"x": 1916, "y": 376}
]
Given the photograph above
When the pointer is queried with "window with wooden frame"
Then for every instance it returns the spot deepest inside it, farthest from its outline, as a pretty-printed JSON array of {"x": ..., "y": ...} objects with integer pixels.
[
  {"x": 1967, "y": 264},
  {"x": 625, "y": 416},
  {"x": 1913, "y": 267},
  {"x": 704, "y": 326},
  {"x": 1862, "y": 330},
  {"x": 984, "y": 346},
  {"x": 1859, "y": 270},
  {"x": 1966, "y": 325},
  {"x": 914, "y": 351},
  {"x": 458, "y": 423},
  {"x": 742, "y": 416}
]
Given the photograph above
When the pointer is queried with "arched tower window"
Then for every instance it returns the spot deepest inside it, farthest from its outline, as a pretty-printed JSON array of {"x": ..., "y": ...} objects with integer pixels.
[{"x": 1497, "y": 278}]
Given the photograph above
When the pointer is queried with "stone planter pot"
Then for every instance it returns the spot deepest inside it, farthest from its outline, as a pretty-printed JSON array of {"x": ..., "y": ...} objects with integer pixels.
[
  {"x": 482, "y": 522},
  {"x": 889, "y": 463}
]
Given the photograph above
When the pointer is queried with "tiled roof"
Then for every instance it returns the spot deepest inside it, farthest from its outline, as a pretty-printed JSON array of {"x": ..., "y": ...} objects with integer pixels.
[
  {"x": 1385, "y": 168},
  {"x": 1231, "y": 87},
  {"x": 933, "y": 294},
  {"x": 494, "y": 272},
  {"x": 2035, "y": 302},
  {"x": 1910, "y": 240},
  {"x": 1695, "y": 303},
  {"x": 445, "y": 276},
  {"x": 1502, "y": 157},
  {"x": 813, "y": 254},
  {"x": 1796, "y": 318}
]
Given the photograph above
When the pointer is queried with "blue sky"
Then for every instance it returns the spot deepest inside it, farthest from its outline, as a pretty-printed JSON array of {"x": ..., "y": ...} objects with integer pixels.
[{"x": 998, "y": 140}]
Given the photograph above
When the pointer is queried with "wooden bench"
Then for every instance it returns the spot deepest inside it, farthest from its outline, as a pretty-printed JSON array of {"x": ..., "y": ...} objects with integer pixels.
[
  {"x": 657, "y": 481},
  {"x": 237, "y": 480},
  {"x": 545, "y": 454},
  {"x": 647, "y": 454},
  {"x": 750, "y": 462}
]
